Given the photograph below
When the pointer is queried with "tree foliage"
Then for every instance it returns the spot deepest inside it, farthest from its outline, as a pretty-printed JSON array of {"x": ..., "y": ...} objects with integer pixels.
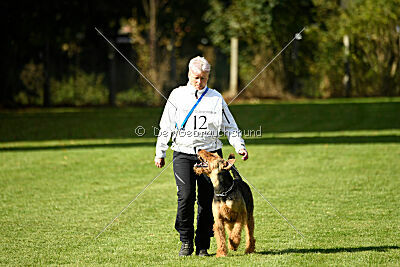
[
  {"x": 315, "y": 66},
  {"x": 374, "y": 47},
  {"x": 56, "y": 41},
  {"x": 263, "y": 27}
]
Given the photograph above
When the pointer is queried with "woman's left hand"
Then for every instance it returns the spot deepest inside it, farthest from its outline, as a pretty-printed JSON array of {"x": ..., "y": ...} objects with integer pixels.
[{"x": 243, "y": 152}]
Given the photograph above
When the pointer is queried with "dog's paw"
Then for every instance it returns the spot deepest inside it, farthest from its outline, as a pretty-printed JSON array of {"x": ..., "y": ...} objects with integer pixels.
[
  {"x": 233, "y": 244},
  {"x": 221, "y": 253},
  {"x": 249, "y": 250}
]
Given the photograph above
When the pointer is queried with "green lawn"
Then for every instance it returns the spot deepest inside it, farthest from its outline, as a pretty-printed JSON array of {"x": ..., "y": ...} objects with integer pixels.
[{"x": 331, "y": 167}]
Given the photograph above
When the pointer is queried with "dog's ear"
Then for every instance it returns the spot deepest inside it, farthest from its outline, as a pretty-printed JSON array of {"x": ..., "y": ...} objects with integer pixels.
[
  {"x": 229, "y": 163},
  {"x": 231, "y": 156}
]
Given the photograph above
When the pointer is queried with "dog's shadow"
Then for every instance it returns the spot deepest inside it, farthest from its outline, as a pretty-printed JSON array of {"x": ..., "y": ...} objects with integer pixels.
[{"x": 328, "y": 250}]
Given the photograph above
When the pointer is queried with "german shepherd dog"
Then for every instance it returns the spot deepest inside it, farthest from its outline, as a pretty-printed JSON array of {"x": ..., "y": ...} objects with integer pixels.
[{"x": 232, "y": 204}]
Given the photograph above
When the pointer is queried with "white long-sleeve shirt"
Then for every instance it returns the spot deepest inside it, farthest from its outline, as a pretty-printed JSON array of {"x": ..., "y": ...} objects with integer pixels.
[{"x": 209, "y": 119}]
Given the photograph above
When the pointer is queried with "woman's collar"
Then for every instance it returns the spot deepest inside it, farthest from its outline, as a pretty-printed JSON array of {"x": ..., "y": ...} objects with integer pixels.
[{"x": 193, "y": 89}]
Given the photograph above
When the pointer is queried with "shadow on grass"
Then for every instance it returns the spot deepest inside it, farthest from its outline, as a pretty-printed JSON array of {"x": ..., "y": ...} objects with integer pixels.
[
  {"x": 78, "y": 146},
  {"x": 329, "y": 250},
  {"x": 324, "y": 140},
  {"x": 254, "y": 141}
]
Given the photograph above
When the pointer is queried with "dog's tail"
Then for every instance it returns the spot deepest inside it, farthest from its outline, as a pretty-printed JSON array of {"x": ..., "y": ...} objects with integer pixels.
[{"x": 234, "y": 171}]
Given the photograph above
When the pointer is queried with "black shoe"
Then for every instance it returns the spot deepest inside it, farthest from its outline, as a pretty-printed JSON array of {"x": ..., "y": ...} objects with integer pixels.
[
  {"x": 186, "y": 249},
  {"x": 202, "y": 253}
]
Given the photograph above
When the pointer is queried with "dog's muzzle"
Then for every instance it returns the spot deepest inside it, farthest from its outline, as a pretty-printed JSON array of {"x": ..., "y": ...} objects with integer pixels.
[{"x": 201, "y": 165}]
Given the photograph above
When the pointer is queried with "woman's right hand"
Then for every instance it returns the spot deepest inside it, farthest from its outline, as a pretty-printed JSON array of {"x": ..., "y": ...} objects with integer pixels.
[{"x": 159, "y": 162}]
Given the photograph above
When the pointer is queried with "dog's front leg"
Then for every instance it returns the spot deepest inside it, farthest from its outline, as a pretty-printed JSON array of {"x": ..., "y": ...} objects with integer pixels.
[
  {"x": 234, "y": 236},
  {"x": 219, "y": 234}
]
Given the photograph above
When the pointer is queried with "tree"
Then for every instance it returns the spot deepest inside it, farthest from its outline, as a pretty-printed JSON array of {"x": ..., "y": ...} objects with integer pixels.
[
  {"x": 164, "y": 40},
  {"x": 263, "y": 27},
  {"x": 374, "y": 54},
  {"x": 60, "y": 35}
]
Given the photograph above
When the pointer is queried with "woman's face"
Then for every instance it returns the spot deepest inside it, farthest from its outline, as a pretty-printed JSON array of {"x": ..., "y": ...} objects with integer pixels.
[{"x": 198, "y": 80}]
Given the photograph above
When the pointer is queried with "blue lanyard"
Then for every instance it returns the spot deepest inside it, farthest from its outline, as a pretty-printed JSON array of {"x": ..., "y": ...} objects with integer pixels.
[{"x": 191, "y": 111}]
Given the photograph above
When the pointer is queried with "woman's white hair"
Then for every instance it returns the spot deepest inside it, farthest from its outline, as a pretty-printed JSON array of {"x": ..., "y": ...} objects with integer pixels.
[{"x": 199, "y": 64}]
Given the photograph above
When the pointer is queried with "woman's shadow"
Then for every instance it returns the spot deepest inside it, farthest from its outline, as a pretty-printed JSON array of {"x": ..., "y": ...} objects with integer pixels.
[{"x": 329, "y": 250}]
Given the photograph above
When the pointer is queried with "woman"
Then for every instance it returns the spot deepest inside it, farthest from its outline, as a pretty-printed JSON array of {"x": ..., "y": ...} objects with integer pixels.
[{"x": 194, "y": 116}]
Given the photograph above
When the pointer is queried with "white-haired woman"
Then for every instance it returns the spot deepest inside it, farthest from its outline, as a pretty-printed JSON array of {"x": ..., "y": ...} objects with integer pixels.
[{"x": 193, "y": 117}]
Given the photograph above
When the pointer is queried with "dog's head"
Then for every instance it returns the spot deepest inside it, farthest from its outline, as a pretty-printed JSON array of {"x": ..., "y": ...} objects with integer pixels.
[{"x": 212, "y": 163}]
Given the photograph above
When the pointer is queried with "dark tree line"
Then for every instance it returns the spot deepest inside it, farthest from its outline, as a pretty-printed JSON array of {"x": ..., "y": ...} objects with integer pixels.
[
  {"x": 60, "y": 37},
  {"x": 52, "y": 54},
  {"x": 46, "y": 32}
]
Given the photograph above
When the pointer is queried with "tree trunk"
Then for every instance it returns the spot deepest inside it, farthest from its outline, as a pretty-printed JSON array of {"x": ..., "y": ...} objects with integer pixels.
[
  {"x": 347, "y": 75},
  {"x": 46, "y": 87},
  {"x": 233, "y": 79},
  {"x": 346, "y": 42},
  {"x": 113, "y": 79},
  {"x": 173, "y": 60},
  {"x": 295, "y": 83},
  {"x": 153, "y": 47}
]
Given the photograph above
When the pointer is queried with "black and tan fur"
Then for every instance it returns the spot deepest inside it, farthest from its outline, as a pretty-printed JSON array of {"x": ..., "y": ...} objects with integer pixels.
[{"x": 232, "y": 211}]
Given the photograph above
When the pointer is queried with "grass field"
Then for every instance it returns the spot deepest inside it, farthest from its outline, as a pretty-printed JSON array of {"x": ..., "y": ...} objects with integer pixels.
[{"x": 331, "y": 167}]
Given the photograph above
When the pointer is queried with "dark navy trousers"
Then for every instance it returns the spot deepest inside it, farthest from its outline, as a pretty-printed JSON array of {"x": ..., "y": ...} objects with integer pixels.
[{"x": 186, "y": 181}]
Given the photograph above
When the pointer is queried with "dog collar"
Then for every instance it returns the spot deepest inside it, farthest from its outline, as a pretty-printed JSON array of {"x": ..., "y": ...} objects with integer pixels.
[{"x": 224, "y": 194}]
